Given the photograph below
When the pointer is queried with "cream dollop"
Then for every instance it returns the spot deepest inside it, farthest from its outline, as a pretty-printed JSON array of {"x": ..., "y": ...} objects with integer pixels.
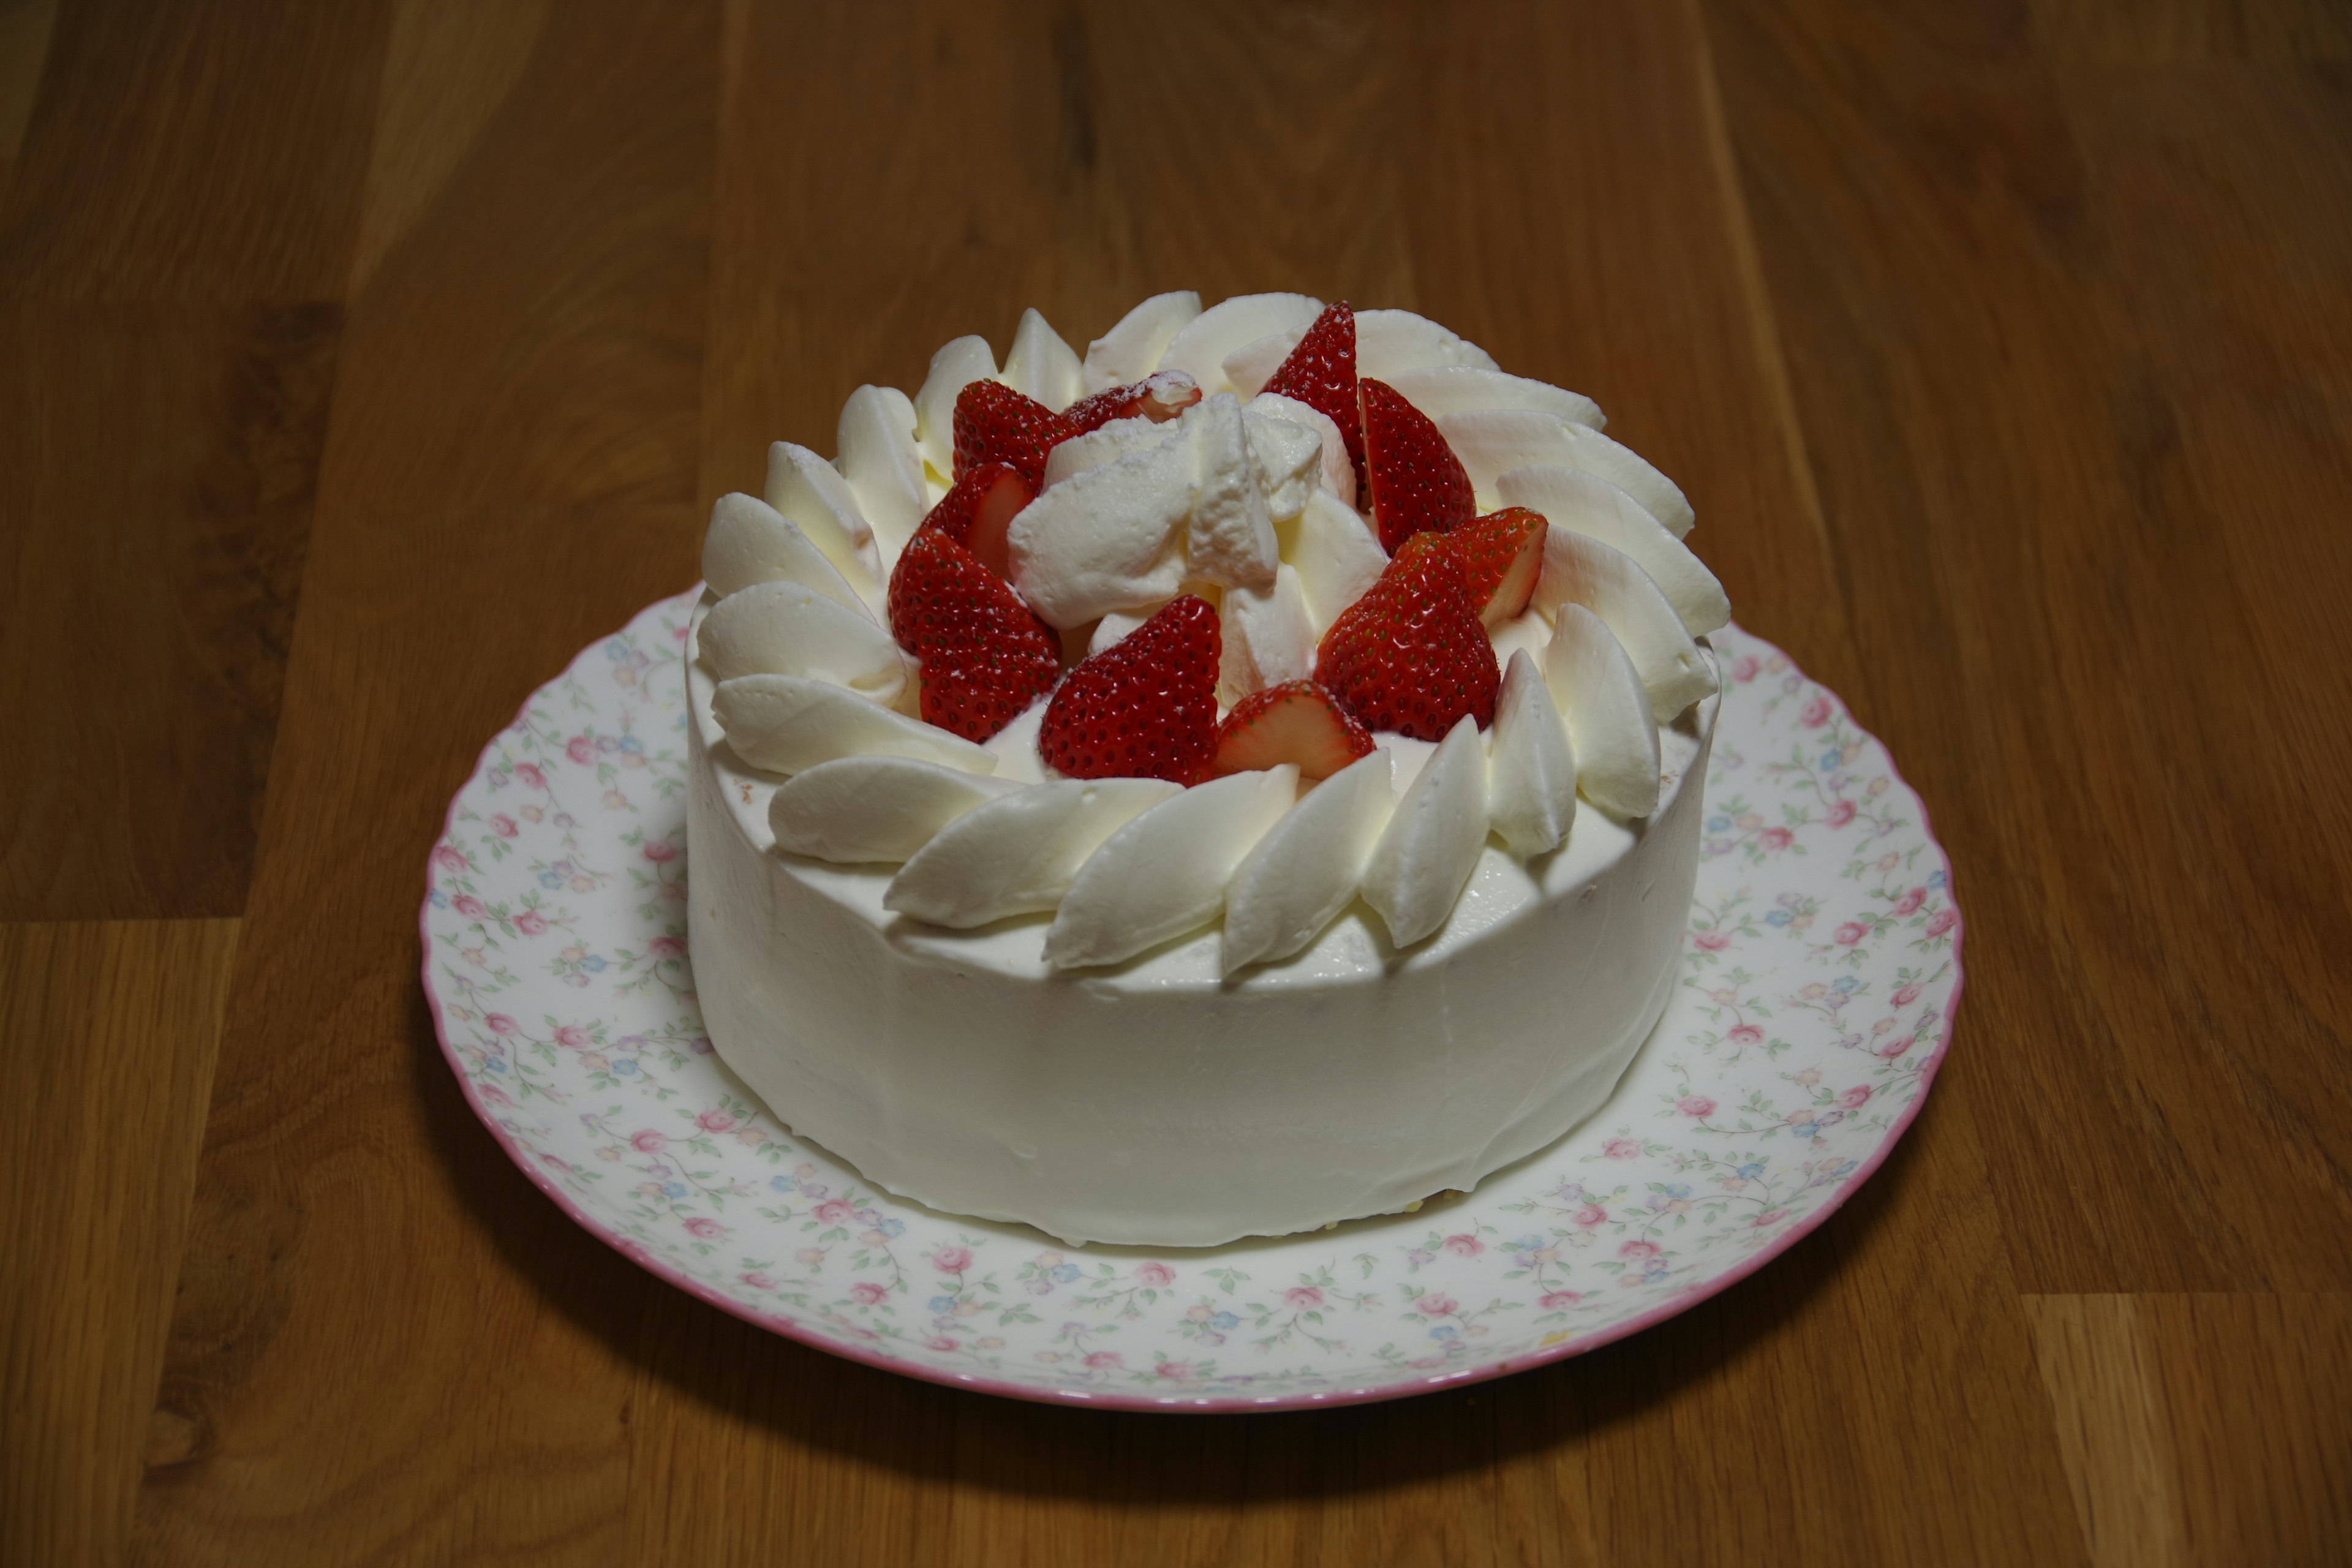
[
  {"x": 1165, "y": 872},
  {"x": 1132, "y": 350},
  {"x": 1583, "y": 571},
  {"x": 1425, "y": 856},
  {"x": 1491, "y": 442},
  {"x": 1530, "y": 763},
  {"x": 1456, "y": 388},
  {"x": 859, "y": 809},
  {"x": 749, "y": 541},
  {"x": 1609, "y": 720},
  {"x": 785, "y": 723},
  {"x": 1582, "y": 502},
  {"x": 789, "y": 628},
  {"x": 1307, "y": 866},
  {"x": 1018, "y": 854}
]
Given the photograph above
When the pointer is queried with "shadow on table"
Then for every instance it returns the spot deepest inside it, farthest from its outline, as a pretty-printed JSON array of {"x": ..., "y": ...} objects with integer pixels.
[{"x": 806, "y": 1400}]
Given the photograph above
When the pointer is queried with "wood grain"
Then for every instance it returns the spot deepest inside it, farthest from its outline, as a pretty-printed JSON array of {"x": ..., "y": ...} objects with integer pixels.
[
  {"x": 360, "y": 363},
  {"x": 108, "y": 1033}
]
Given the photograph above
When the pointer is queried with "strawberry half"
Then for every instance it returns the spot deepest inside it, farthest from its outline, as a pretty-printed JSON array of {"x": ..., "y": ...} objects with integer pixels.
[
  {"x": 1298, "y": 721},
  {"x": 1158, "y": 397},
  {"x": 1501, "y": 556},
  {"x": 1417, "y": 482},
  {"x": 978, "y": 510},
  {"x": 985, "y": 656},
  {"x": 994, "y": 424},
  {"x": 1321, "y": 373},
  {"x": 1145, "y": 707},
  {"x": 1410, "y": 656}
]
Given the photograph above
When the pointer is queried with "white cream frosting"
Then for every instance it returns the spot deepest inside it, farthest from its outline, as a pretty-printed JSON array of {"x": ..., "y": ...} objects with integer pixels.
[
  {"x": 1018, "y": 854},
  {"x": 1491, "y": 442},
  {"x": 1132, "y": 350},
  {"x": 1240, "y": 503}
]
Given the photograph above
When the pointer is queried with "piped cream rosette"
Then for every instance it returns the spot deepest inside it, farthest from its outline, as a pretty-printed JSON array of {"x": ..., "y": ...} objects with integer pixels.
[{"x": 1247, "y": 500}]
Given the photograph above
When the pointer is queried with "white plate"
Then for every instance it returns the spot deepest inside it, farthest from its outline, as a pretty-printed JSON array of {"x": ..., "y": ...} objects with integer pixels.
[{"x": 1818, "y": 986}]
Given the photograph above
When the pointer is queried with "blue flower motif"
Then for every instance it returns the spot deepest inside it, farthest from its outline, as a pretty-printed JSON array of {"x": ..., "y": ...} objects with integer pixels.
[
  {"x": 616, "y": 649},
  {"x": 631, "y": 744},
  {"x": 1062, "y": 1273},
  {"x": 1444, "y": 1331},
  {"x": 1777, "y": 917},
  {"x": 1829, "y": 761},
  {"x": 1677, "y": 1190},
  {"x": 1751, "y": 1171},
  {"x": 624, "y": 1068},
  {"x": 673, "y": 1189},
  {"x": 943, "y": 1303},
  {"x": 1223, "y": 1322},
  {"x": 593, "y": 964},
  {"x": 781, "y": 1184},
  {"x": 1844, "y": 983},
  {"x": 438, "y": 899},
  {"x": 1529, "y": 1243},
  {"x": 1936, "y": 881},
  {"x": 1807, "y": 1129},
  {"x": 892, "y": 1228},
  {"x": 549, "y": 879},
  {"x": 496, "y": 1064},
  {"x": 1718, "y": 825}
]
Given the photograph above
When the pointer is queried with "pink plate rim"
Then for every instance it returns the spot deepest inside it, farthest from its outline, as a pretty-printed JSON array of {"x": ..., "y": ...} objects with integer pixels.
[{"x": 1208, "y": 1403}]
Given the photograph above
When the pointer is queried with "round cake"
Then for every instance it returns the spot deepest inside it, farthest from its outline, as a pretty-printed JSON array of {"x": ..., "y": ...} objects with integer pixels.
[{"x": 1244, "y": 779}]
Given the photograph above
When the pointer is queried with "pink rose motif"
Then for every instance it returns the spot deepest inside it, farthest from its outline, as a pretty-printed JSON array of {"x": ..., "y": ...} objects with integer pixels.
[
  {"x": 580, "y": 749},
  {"x": 832, "y": 1211},
  {"x": 1770, "y": 1217},
  {"x": 1696, "y": 1105},
  {"x": 1855, "y": 1098},
  {"x": 529, "y": 774},
  {"x": 1304, "y": 1298},
  {"x": 499, "y": 1024},
  {"x": 659, "y": 850},
  {"x": 704, "y": 1228},
  {"x": 1621, "y": 1149},
  {"x": 1175, "y": 1371},
  {"x": 1465, "y": 1246},
  {"x": 1841, "y": 812},
  {"x": 758, "y": 1281},
  {"x": 1909, "y": 902},
  {"x": 1712, "y": 940},
  {"x": 1743, "y": 670},
  {"x": 715, "y": 1121},
  {"x": 1905, "y": 997},
  {"x": 503, "y": 825},
  {"x": 1942, "y": 920},
  {"x": 469, "y": 906},
  {"x": 448, "y": 859},
  {"x": 1745, "y": 1034},
  {"x": 951, "y": 1260},
  {"x": 1816, "y": 713},
  {"x": 1155, "y": 1275},
  {"x": 495, "y": 1095},
  {"x": 1638, "y": 1250},
  {"x": 665, "y": 947},
  {"x": 648, "y": 1141},
  {"x": 530, "y": 922},
  {"x": 939, "y": 1342},
  {"x": 1553, "y": 1300},
  {"x": 1774, "y": 839},
  {"x": 1437, "y": 1306},
  {"x": 1895, "y": 1046},
  {"x": 571, "y": 1037},
  {"x": 1103, "y": 1361},
  {"x": 1592, "y": 1215},
  {"x": 1851, "y": 932},
  {"x": 865, "y": 1293}
]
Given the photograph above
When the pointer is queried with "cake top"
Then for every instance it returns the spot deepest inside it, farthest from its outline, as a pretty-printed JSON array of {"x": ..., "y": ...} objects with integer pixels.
[{"x": 1254, "y": 611}]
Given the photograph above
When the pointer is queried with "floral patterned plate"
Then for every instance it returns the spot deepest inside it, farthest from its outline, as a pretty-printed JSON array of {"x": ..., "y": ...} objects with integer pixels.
[{"x": 1816, "y": 995}]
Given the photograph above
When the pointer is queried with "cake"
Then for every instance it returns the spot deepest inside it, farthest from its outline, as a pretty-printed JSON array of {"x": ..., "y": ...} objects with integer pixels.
[{"x": 1243, "y": 779}]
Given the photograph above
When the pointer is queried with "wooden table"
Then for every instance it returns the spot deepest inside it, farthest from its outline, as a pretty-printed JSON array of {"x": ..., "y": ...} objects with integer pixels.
[{"x": 362, "y": 361}]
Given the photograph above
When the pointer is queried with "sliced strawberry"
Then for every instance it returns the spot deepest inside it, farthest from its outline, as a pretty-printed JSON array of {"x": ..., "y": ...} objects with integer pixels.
[
  {"x": 979, "y": 509},
  {"x": 984, "y": 655},
  {"x": 1417, "y": 482},
  {"x": 994, "y": 424},
  {"x": 1410, "y": 656},
  {"x": 1501, "y": 555},
  {"x": 1146, "y": 707},
  {"x": 1298, "y": 721},
  {"x": 1321, "y": 373},
  {"x": 1158, "y": 397}
]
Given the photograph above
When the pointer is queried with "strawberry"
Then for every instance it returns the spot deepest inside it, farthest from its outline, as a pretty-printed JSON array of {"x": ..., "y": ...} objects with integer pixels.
[
  {"x": 1321, "y": 373},
  {"x": 979, "y": 509},
  {"x": 1501, "y": 555},
  {"x": 994, "y": 424},
  {"x": 985, "y": 656},
  {"x": 1410, "y": 656},
  {"x": 1417, "y": 482},
  {"x": 1145, "y": 707},
  {"x": 1158, "y": 397},
  {"x": 1297, "y": 721}
]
